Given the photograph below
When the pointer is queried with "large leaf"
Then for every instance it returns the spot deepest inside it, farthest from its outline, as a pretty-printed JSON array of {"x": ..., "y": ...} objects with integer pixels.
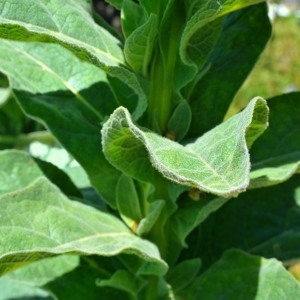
[
  {"x": 71, "y": 25},
  {"x": 263, "y": 221},
  {"x": 70, "y": 96},
  {"x": 39, "y": 221},
  {"x": 238, "y": 275},
  {"x": 217, "y": 162},
  {"x": 231, "y": 60},
  {"x": 281, "y": 158}
]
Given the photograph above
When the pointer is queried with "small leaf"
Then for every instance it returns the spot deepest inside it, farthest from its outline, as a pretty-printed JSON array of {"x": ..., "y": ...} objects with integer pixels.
[
  {"x": 218, "y": 162},
  {"x": 139, "y": 46},
  {"x": 276, "y": 157},
  {"x": 48, "y": 224},
  {"x": 237, "y": 272},
  {"x": 133, "y": 16},
  {"x": 153, "y": 213},
  {"x": 180, "y": 120},
  {"x": 128, "y": 202},
  {"x": 183, "y": 274},
  {"x": 124, "y": 281}
]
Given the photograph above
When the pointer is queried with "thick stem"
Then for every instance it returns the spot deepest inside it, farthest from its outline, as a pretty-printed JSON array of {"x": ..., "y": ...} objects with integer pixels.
[{"x": 162, "y": 72}]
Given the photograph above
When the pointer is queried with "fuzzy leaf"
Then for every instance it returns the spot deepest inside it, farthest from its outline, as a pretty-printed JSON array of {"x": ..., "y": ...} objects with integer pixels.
[
  {"x": 281, "y": 158},
  {"x": 218, "y": 162},
  {"x": 71, "y": 25},
  {"x": 18, "y": 170},
  {"x": 70, "y": 96},
  {"x": 48, "y": 224}
]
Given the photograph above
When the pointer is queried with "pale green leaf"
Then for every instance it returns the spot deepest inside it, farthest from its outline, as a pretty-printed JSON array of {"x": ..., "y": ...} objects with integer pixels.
[
  {"x": 70, "y": 96},
  {"x": 238, "y": 275},
  {"x": 39, "y": 222},
  {"x": 218, "y": 162},
  {"x": 71, "y": 25}
]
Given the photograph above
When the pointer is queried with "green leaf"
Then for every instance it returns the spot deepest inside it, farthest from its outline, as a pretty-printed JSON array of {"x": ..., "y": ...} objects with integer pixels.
[
  {"x": 238, "y": 275},
  {"x": 70, "y": 96},
  {"x": 128, "y": 202},
  {"x": 132, "y": 16},
  {"x": 139, "y": 45},
  {"x": 218, "y": 162},
  {"x": 203, "y": 27},
  {"x": 154, "y": 210},
  {"x": 81, "y": 284},
  {"x": 281, "y": 158},
  {"x": 40, "y": 19},
  {"x": 183, "y": 274},
  {"x": 124, "y": 281},
  {"x": 231, "y": 60},
  {"x": 27, "y": 169},
  {"x": 267, "y": 224},
  {"x": 26, "y": 282},
  {"x": 48, "y": 224},
  {"x": 79, "y": 34},
  {"x": 180, "y": 120}
]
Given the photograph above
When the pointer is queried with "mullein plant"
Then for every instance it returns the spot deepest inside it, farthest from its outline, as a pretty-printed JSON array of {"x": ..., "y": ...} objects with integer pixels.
[{"x": 181, "y": 203}]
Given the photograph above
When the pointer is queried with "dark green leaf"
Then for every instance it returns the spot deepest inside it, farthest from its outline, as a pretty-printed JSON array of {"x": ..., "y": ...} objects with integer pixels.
[
  {"x": 233, "y": 57},
  {"x": 276, "y": 157},
  {"x": 238, "y": 275}
]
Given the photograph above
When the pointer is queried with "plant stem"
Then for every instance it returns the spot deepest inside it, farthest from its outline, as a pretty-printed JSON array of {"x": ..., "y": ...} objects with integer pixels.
[
  {"x": 152, "y": 288},
  {"x": 162, "y": 71}
]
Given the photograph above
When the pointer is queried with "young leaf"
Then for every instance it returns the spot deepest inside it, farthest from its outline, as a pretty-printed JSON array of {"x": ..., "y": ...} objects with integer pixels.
[
  {"x": 128, "y": 202},
  {"x": 237, "y": 272},
  {"x": 133, "y": 16},
  {"x": 281, "y": 158},
  {"x": 124, "y": 281},
  {"x": 217, "y": 162},
  {"x": 153, "y": 213},
  {"x": 183, "y": 274},
  {"x": 48, "y": 224},
  {"x": 139, "y": 46},
  {"x": 180, "y": 120}
]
